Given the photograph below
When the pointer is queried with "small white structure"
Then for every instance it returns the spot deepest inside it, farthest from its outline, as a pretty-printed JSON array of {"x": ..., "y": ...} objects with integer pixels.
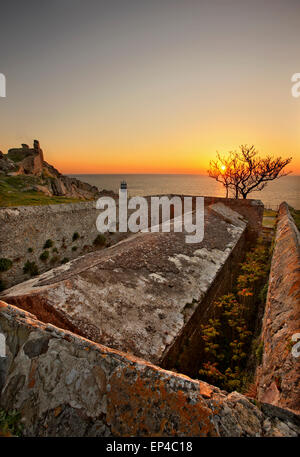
[{"x": 123, "y": 185}]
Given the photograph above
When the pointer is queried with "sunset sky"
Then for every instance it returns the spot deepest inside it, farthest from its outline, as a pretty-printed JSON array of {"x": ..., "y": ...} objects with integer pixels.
[{"x": 156, "y": 86}]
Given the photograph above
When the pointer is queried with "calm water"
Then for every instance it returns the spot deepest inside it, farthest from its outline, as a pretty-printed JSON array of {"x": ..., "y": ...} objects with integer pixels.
[{"x": 285, "y": 189}]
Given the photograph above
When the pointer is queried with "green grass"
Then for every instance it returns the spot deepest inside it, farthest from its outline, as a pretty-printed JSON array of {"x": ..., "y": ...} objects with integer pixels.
[
  {"x": 270, "y": 213},
  {"x": 5, "y": 264},
  {"x": 44, "y": 255},
  {"x": 10, "y": 423},
  {"x": 269, "y": 218},
  {"x": 13, "y": 192},
  {"x": 296, "y": 215},
  {"x": 100, "y": 240}
]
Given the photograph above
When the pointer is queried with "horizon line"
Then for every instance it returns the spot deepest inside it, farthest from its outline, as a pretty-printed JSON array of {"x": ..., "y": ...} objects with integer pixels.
[{"x": 181, "y": 174}]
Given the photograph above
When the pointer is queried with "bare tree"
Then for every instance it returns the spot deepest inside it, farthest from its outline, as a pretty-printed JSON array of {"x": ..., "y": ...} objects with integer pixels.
[
  {"x": 219, "y": 170},
  {"x": 244, "y": 171}
]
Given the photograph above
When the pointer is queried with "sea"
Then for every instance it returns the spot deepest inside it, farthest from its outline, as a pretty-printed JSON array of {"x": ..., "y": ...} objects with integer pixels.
[{"x": 286, "y": 188}]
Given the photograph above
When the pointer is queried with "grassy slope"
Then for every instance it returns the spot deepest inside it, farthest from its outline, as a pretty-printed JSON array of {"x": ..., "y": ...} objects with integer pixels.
[{"x": 13, "y": 192}]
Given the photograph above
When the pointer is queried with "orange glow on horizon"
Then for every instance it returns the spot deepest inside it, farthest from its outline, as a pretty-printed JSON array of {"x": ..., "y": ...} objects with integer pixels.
[
  {"x": 155, "y": 163},
  {"x": 187, "y": 150},
  {"x": 140, "y": 168}
]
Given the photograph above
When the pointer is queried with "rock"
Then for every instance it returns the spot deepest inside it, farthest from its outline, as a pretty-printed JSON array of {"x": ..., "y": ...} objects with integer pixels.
[
  {"x": 73, "y": 387},
  {"x": 36, "y": 346},
  {"x": 271, "y": 395},
  {"x": 43, "y": 189},
  {"x": 30, "y": 161},
  {"x": 279, "y": 375},
  {"x": 36, "y": 144},
  {"x": 116, "y": 296},
  {"x": 57, "y": 187},
  {"x": 31, "y": 165}
]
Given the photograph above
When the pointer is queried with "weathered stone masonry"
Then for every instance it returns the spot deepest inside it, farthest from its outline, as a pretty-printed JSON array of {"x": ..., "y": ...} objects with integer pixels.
[
  {"x": 142, "y": 294},
  {"x": 149, "y": 294},
  {"x": 65, "y": 385},
  {"x": 279, "y": 376},
  {"x": 28, "y": 227}
]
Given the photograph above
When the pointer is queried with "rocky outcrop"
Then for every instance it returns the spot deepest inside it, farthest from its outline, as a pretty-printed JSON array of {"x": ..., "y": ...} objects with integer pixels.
[
  {"x": 71, "y": 187},
  {"x": 279, "y": 376},
  {"x": 30, "y": 162},
  {"x": 6, "y": 165},
  {"x": 65, "y": 385}
]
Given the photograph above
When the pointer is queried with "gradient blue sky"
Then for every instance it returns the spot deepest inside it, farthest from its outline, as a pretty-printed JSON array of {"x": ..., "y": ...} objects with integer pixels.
[{"x": 149, "y": 86}]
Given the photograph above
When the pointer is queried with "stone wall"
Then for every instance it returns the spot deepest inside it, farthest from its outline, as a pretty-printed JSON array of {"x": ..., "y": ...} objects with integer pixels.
[
  {"x": 185, "y": 355},
  {"x": 27, "y": 228},
  {"x": 279, "y": 376},
  {"x": 140, "y": 295},
  {"x": 65, "y": 385},
  {"x": 250, "y": 209}
]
